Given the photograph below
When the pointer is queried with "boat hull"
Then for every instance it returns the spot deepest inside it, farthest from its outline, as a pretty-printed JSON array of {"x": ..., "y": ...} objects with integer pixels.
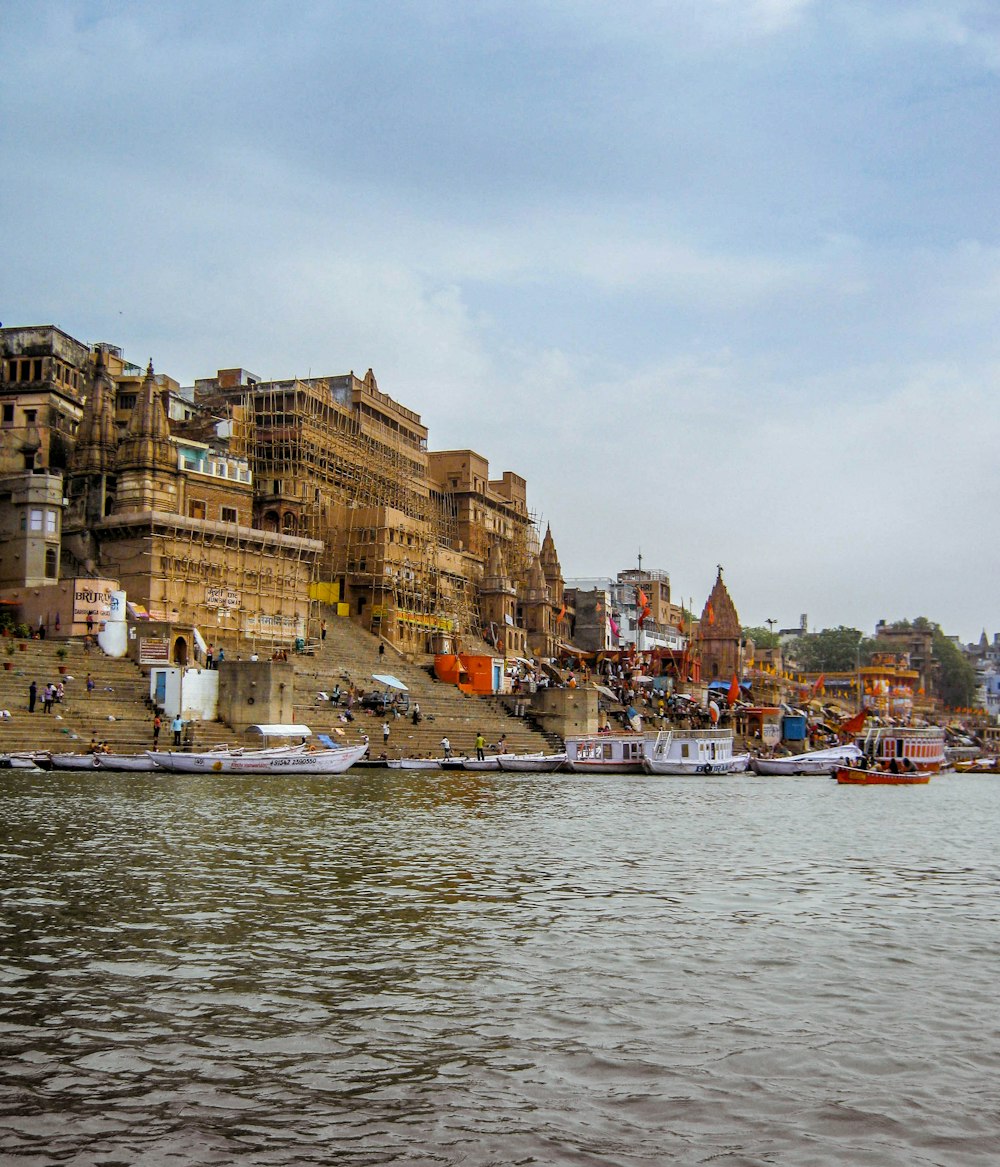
[
  {"x": 849, "y": 776},
  {"x": 815, "y": 762},
  {"x": 692, "y": 769},
  {"x": 130, "y": 762},
  {"x": 320, "y": 762},
  {"x": 74, "y": 761},
  {"x": 532, "y": 764},
  {"x": 606, "y": 753}
]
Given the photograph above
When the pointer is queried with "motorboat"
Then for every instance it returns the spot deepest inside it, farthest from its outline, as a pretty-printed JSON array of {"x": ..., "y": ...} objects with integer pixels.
[
  {"x": 694, "y": 751},
  {"x": 606, "y": 753},
  {"x": 919, "y": 746}
]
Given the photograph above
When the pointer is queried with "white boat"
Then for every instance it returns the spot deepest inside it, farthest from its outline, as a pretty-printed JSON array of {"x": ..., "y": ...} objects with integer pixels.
[
  {"x": 74, "y": 761},
  {"x": 694, "y": 751},
  {"x": 531, "y": 763},
  {"x": 264, "y": 761},
  {"x": 124, "y": 762},
  {"x": 19, "y": 762},
  {"x": 607, "y": 753},
  {"x": 812, "y": 762},
  {"x": 489, "y": 762},
  {"x": 414, "y": 763}
]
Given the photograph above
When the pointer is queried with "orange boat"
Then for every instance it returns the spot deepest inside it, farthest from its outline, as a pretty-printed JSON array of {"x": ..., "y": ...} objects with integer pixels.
[{"x": 851, "y": 776}]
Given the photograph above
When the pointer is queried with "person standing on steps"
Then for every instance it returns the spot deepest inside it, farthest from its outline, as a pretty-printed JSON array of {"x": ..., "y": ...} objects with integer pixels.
[
  {"x": 385, "y": 733},
  {"x": 381, "y": 651},
  {"x": 177, "y": 725},
  {"x": 322, "y": 630},
  {"x": 157, "y": 723},
  {"x": 47, "y": 695},
  {"x": 32, "y": 696}
]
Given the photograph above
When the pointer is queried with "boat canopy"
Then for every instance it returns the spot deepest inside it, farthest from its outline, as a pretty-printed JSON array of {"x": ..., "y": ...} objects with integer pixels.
[{"x": 280, "y": 730}]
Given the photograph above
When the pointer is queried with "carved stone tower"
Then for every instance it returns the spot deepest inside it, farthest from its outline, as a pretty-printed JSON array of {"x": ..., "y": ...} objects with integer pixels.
[{"x": 719, "y": 635}]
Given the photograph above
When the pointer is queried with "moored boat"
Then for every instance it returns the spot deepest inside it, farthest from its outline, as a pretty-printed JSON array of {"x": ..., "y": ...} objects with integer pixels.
[
  {"x": 124, "y": 762},
  {"x": 264, "y": 761},
  {"x": 812, "y": 762},
  {"x": 919, "y": 746},
  {"x": 607, "y": 753},
  {"x": 531, "y": 763},
  {"x": 68, "y": 761},
  {"x": 15, "y": 761},
  {"x": 693, "y": 751},
  {"x": 414, "y": 763}
]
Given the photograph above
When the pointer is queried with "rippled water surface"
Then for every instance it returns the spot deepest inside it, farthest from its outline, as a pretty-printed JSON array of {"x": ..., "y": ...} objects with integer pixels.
[{"x": 498, "y": 969}]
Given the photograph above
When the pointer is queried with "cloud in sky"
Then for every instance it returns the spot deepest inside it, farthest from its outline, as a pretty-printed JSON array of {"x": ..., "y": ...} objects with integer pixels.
[{"x": 718, "y": 277}]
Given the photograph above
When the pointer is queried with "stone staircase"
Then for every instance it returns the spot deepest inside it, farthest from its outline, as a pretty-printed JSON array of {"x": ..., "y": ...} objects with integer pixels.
[
  {"x": 350, "y": 654},
  {"x": 116, "y": 710}
]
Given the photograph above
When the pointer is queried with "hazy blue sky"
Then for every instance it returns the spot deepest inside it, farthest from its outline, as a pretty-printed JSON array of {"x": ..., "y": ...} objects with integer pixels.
[{"x": 719, "y": 277}]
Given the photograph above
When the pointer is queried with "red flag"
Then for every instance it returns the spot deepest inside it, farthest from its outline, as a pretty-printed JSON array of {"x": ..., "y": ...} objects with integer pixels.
[
  {"x": 643, "y": 598},
  {"x": 734, "y": 690},
  {"x": 710, "y": 611},
  {"x": 562, "y": 612},
  {"x": 819, "y": 682},
  {"x": 643, "y": 614},
  {"x": 856, "y": 724}
]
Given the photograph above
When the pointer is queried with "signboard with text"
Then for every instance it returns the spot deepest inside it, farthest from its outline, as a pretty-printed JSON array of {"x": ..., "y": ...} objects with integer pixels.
[{"x": 92, "y": 597}]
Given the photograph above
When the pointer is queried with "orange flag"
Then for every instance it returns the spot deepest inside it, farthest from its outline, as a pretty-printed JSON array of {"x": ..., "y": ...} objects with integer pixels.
[
  {"x": 710, "y": 611},
  {"x": 734, "y": 690},
  {"x": 856, "y": 724}
]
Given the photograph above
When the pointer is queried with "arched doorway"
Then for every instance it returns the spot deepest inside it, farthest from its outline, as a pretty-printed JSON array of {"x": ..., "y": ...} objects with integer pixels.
[{"x": 180, "y": 653}]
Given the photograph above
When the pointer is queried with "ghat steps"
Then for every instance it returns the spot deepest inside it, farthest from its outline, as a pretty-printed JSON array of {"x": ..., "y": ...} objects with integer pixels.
[{"x": 117, "y": 709}]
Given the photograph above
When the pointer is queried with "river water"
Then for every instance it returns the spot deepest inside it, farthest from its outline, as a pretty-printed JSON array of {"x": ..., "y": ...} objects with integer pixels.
[{"x": 485, "y": 969}]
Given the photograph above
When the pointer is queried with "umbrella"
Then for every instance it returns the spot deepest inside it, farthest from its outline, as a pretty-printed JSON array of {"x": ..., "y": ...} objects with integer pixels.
[
  {"x": 605, "y": 692},
  {"x": 389, "y": 681}
]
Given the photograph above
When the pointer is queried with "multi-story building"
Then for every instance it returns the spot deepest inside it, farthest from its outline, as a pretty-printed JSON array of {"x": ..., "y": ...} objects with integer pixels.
[{"x": 242, "y": 503}]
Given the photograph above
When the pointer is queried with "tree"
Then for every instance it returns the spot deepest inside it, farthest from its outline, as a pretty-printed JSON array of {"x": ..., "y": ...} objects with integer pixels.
[
  {"x": 956, "y": 677},
  {"x": 762, "y": 637},
  {"x": 834, "y": 650}
]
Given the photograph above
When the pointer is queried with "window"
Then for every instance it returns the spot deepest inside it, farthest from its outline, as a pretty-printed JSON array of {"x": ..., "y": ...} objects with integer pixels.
[
  {"x": 30, "y": 415},
  {"x": 8, "y": 414},
  {"x": 51, "y": 563},
  {"x": 196, "y": 508},
  {"x": 36, "y": 520},
  {"x": 50, "y": 522},
  {"x": 229, "y": 514}
]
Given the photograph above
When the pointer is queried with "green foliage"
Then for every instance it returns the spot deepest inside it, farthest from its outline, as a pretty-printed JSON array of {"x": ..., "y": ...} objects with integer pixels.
[
  {"x": 762, "y": 637},
  {"x": 834, "y": 650},
  {"x": 956, "y": 678}
]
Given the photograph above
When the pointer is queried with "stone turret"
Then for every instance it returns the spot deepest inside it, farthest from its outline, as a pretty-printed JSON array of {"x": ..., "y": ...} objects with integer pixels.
[
  {"x": 719, "y": 635},
  {"x": 498, "y": 605},
  {"x": 551, "y": 567},
  {"x": 146, "y": 463}
]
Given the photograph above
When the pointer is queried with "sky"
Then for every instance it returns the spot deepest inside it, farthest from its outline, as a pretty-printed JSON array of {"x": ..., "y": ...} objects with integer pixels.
[{"x": 719, "y": 278}]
